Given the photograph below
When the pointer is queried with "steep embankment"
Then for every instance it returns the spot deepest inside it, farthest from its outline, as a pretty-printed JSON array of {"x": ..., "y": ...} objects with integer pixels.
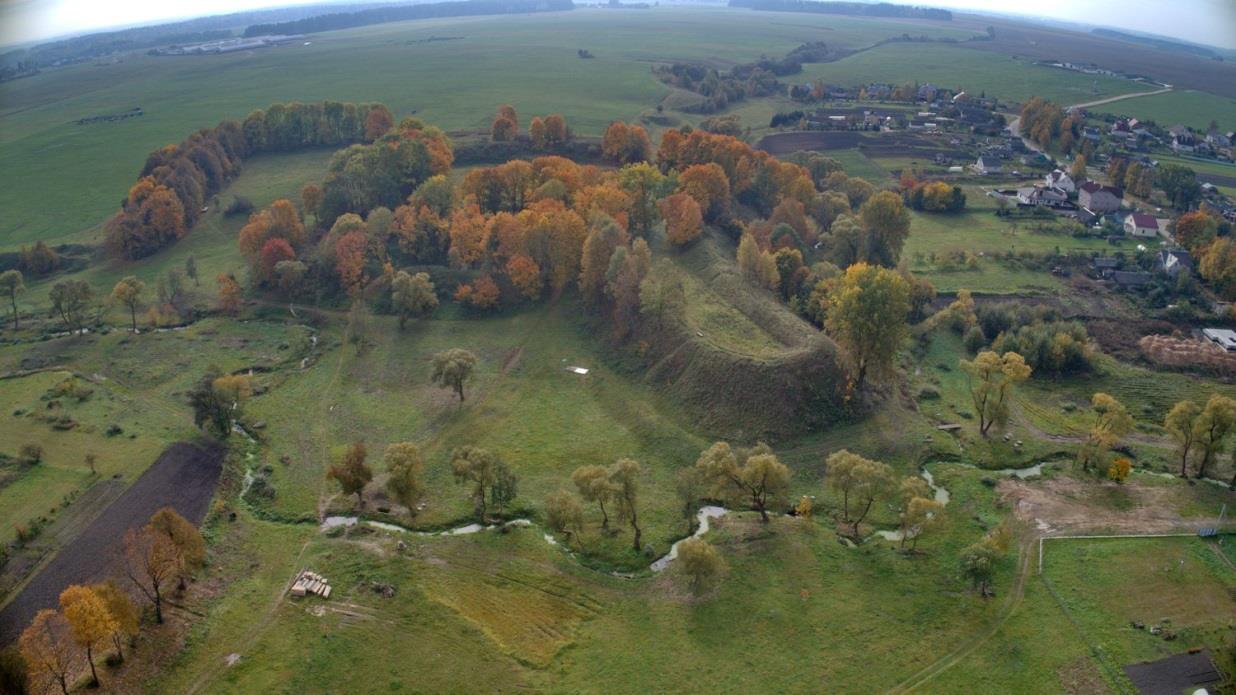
[{"x": 738, "y": 359}]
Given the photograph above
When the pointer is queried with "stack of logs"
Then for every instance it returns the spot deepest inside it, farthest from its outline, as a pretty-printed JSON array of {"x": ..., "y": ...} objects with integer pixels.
[{"x": 310, "y": 583}]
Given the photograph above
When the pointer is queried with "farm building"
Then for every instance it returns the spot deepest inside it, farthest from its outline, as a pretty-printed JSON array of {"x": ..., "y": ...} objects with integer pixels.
[
  {"x": 1130, "y": 279},
  {"x": 1140, "y": 224},
  {"x": 1223, "y": 337},
  {"x": 1040, "y": 195},
  {"x": 1099, "y": 198},
  {"x": 988, "y": 165}
]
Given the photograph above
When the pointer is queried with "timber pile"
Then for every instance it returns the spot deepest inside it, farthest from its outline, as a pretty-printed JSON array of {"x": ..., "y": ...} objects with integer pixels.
[{"x": 310, "y": 583}]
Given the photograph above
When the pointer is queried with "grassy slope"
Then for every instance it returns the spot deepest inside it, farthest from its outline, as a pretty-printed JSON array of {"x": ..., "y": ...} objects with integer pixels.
[
  {"x": 527, "y": 61},
  {"x": 957, "y": 68}
]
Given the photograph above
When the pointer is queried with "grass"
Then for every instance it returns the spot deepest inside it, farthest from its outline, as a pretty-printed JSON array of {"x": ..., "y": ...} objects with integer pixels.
[
  {"x": 1189, "y": 107},
  {"x": 953, "y": 67},
  {"x": 528, "y": 61},
  {"x": 1102, "y": 585},
  {"x": 27, "y": 414}
]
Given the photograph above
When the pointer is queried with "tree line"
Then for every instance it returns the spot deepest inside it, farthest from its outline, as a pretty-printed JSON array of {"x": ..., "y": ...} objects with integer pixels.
[
  {"x": 383, "y": 15},
  {"x": 157, "y": 559},
  {"x": 178, "y": 180}
]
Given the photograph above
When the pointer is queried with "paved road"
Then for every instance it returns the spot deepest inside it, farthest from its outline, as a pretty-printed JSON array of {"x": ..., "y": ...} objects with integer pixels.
[{"x": 183, "y": 477}]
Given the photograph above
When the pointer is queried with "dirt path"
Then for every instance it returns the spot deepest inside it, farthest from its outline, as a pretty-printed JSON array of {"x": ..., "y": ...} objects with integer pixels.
[
  {"x": 183, "y": 477},
  {"x": 1016, "y": 593},
  {"x": 1120, "y": 97}
]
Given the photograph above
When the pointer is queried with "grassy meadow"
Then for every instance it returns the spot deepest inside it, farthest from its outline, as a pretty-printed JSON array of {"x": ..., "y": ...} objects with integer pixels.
[
  {"x": 1188, "y": 107},
  {"x": 528, "y": 61},
  {"x": 976, "y": 72}
]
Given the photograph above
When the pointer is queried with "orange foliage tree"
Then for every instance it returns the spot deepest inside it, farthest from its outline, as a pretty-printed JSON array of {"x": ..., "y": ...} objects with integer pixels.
[
  {"x": 350, "y": 261},
  {"x": 708, "y": 185},
  {"x": 625, "y": 143},
  {"x": 684, "y": 220},
  {"x": 482, "y": 294},
  {"x": 229, "y": 294}
]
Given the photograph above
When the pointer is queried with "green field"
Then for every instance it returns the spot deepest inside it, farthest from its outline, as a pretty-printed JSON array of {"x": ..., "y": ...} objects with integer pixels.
[
  {"x": 528, "y": 61},
  {"x": 1188, "y": 107},
  {"x": 976, "y": 72}
]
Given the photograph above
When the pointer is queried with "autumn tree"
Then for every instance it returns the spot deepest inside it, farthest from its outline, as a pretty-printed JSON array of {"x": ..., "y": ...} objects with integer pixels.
[
  {"x": 452, "y": 369},
  {"x": 564, "y": 514},
  {"x": 536, "y": 133},
  {"x": 123, "y": 611},
  {"x": 504, "y": 488},
  {"x": 350, "y": 252},
  {"x": 624, "y": 478},
  {"x": 839, "y": 467},
  {"x": 1181, "y": 423},
  {"x": 709, "y": 186},
  {"x": 683, "y": 218},
  {"x": 478, "y": 468},
  {"x": 991, "y": 378},
  {"x": 48, "y": 648},
  {"x": 887, "y": 224},
  {"x": 506, "y": 124},
  {"x": 378, "y": 122},
  {"x": 593, "y": 484},
  {"x": 229, "y": 293},
  {"x": 90, "y": 622},
  {"x": 866, "y": 314},
  {"x": 1112, "y": 421},
  {"x": 1195, "y": 230},
  {"x": 151, "y": 561},
  {"x": 701, "y": 564},
  {"x": 12, "y": 283},
  {"x": 1216, "y": 422},
  {"x": 756, "y": 473},
  {"x": 71, "y": 300},
  {"x": 757, "y": 266},
  {"x": 351, "y": 472},
  {"x": 978, "y": 564},
  {"x": 603, "y": 238},
  {"x": 917, "y": 516},
  {"x": 556, "y": 132},
  {"x": 412, "y": 295},
  {"x": 626, "y": 144},
  {"x": 872, "y": 480},
  {"x": 1218, "y": 266},
  {"x": 1077, "y": 171},
  {"x": 128, "y": 292},
  {"x": 525, "y": 275},
  {"x": 188, "y": 541},
  {"x": 311, "y": 199},
  {"x": 688, "y": 488},
  {"x": 405, "y": 464},
  {"x": 644, "y": 183},
  {"x": 483, "y": 294}
]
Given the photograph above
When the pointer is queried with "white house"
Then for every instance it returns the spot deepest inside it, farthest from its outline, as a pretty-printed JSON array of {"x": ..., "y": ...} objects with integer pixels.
[
  {"x": 988, "y": 165},
  {"x": 1140, "y": 224},
  {"x": 1059, "y": 178}
]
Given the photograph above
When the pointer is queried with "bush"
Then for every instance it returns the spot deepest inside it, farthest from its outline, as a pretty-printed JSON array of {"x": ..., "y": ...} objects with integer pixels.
[
  {"x": 974, "y": 340},
  {"x": 31, "y": 454},
  {"x": 1057, "y": 348},
  {"x": 240, "y": 206}
]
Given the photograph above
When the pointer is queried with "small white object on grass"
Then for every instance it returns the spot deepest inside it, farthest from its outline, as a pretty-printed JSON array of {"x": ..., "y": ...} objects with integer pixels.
[{"x": 578, "y": 370}]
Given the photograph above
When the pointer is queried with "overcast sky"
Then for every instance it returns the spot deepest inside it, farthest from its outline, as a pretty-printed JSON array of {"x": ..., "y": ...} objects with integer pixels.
[{"x": 1204, "y": 21}]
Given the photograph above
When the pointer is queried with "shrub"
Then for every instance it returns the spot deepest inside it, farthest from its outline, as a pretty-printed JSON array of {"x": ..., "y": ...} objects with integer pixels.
[
  {"x": 31, "y": 453},
  {"x": 974, "y": 339},
  {"x": 1056, "y": 348},
  {"x": 240, "y": 205}
]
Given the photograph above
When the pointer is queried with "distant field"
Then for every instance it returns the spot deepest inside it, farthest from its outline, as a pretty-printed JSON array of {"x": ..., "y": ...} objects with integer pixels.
[
  {"x": 953, "y": 67},
  {"x": 1192, "y": 108},
  {"x": 74, "y": 176}
]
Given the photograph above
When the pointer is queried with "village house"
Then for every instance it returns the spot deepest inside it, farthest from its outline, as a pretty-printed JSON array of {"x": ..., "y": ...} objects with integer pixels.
[
  {"x": 1130, "y": 279},
  {"x": 1099, "y": 198},
  {"x": 1042, "y": 195},
  {"x": 988, "y": 165},
  {"x": 1174, "y": 262},
  {"x": 1060, "y": 179},
  {"x": 1183, "y": 139},
  {"x": 1139, "y": 224}
]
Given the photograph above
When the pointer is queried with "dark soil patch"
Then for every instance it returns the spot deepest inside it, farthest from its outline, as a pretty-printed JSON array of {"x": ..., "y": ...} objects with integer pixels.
[
  {"x": 1217, "y": 179},
  {"x": 183, "y": 477},
  {"x": 810, "y": 141}
]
